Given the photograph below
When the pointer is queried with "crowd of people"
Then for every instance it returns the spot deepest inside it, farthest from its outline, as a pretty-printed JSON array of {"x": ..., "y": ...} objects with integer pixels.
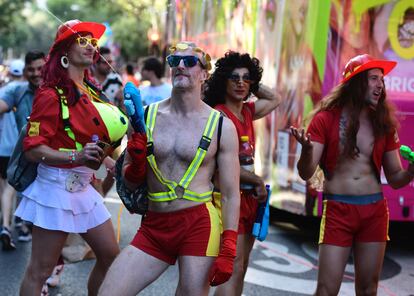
[{"x": 202, "y": 202}]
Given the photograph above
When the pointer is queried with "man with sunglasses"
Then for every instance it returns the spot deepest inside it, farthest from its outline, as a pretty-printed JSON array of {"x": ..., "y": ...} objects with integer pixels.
[
  {"x": 181, "y": 222},
  {"x": 235, "y": 78}
]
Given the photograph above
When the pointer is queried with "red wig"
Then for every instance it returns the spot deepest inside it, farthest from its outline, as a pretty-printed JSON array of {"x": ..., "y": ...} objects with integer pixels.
[{"x": 54, "y": 74}]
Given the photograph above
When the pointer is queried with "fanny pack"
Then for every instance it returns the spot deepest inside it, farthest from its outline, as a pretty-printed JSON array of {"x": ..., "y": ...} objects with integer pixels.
[{"x": 76, "y": 182}]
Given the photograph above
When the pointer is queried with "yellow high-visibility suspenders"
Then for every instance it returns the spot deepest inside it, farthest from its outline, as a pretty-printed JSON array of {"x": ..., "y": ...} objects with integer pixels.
[
  {"x": 65, "y": 117},
  {"x": 191, "y": 170}
]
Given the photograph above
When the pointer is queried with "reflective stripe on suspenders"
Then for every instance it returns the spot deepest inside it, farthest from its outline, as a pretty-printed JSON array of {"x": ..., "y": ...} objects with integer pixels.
[
  {"x": 65, "y": 117},
  {"x": 191, "y": 170}
]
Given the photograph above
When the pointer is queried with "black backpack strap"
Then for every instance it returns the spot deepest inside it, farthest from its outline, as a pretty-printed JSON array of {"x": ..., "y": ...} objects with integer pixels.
[
  {"x": 146, "y": 113},
  {"x": 219, "y": 128}
]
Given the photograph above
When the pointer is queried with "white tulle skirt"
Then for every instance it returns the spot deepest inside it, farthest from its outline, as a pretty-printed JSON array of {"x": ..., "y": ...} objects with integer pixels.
[{"x": 49, "y": 204}]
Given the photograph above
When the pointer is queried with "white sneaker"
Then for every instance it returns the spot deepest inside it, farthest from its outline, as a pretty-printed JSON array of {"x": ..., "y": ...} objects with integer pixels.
[
  {"x": 45, "y": 291},
  {"x": 54, "y": 278}
]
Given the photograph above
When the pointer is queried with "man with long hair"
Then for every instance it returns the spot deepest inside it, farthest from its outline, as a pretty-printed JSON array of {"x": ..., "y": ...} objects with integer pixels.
[
  {"x": 235, "y": 78},
  {"x": 181, "y": 222},
  {"x": 67, "y": 119},
  {"x": 352, "y": 135}
]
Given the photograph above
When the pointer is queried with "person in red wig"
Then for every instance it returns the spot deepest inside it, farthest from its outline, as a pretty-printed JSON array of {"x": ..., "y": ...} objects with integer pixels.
[{"x": 67, "y": 114}]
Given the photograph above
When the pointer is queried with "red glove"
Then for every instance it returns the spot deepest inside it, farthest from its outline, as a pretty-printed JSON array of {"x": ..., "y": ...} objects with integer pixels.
[
  {"x": 137, "y": 149},
  {"x": 222, "y": 268}
]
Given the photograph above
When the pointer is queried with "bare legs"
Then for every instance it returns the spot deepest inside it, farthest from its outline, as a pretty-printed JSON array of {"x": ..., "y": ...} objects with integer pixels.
[
  {"x": 332, "y": 261},
  {"x": 47, "y": 246},
  {"x": 368, "y": 264},
  {"x": 136, "y": 269},
  {"x": 102, "y": 241},
  {"x": 194, "y": 275},
  {"x": 7, "y": 195},
  {"x": 126, "y": 270}
]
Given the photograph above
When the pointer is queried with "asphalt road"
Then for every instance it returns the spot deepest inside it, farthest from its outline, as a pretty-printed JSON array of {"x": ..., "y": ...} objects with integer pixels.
[{"x": 285, "y": 264}]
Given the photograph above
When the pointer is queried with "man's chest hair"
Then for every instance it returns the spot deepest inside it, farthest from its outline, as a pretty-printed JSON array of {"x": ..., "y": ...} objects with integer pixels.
[
  {"x": 365, "y": 135},
  {"x": 178, "y": 138}
]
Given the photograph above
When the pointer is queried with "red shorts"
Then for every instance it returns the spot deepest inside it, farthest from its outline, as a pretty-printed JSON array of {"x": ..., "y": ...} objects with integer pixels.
[
  {"x": 343, "y": 224},
  {"x": 190, "y": 232},
  {"x": 248, "y": 212}
]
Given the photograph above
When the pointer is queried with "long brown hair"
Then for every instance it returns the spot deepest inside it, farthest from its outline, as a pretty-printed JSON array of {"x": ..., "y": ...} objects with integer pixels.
[{"x": 351, "y": 94}]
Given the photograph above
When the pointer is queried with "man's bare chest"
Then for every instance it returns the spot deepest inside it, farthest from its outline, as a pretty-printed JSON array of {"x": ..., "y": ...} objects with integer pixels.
[
  {"x": 177, "y": 138},
  {"x": 364, "y": 138}
]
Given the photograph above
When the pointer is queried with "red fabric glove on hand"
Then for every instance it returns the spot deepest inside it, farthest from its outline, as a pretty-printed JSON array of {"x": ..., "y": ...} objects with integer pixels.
[
  {"x": 222, "y": 268},
  {"x": 137, "y": 149}
]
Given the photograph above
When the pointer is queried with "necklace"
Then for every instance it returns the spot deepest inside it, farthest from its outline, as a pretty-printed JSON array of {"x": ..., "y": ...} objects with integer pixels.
[{"x": 89, "y": 92}]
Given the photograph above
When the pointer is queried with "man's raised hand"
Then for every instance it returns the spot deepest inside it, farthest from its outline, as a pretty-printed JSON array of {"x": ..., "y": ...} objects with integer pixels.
[{"x": 304, "y": 140}]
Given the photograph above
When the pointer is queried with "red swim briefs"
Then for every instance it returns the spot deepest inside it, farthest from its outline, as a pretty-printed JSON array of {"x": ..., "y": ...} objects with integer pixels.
[
  {"x": 343, "y": 224},
  {"x": 193, "y": 231},
  {"x": 248, "y": 211}
]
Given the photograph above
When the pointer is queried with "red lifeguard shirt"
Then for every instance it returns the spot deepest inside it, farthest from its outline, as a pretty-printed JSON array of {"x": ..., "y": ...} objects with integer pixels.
[
  {"x": 46, "y": 124},
  {"x": 324, "y": 129},
  {"x": 245, "y": 127}
]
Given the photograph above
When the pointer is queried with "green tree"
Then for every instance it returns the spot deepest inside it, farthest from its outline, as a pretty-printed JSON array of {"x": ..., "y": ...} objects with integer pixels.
[
  {"x": 24, "y": 25},
  {"x": 12, "y": 35},
  {"x": 131, "y": 34},
  {"x": 10, "y": 13}
]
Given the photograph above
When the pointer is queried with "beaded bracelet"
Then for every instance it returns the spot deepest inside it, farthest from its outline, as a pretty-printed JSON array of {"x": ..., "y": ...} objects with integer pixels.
[{"x": 72, "y": 156}]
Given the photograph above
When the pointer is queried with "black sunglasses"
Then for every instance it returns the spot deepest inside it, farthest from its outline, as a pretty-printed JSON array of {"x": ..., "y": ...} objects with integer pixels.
[
  {"x": 189, "y": 61},
  {"x": 236, "y": 78}
]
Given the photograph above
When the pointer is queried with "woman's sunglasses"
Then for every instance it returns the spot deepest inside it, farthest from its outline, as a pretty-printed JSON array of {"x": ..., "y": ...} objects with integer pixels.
[
  {"x": 236, "y": 78},
  {"x": 84, "y": 41},
  {"x": 189, "y": 61}
]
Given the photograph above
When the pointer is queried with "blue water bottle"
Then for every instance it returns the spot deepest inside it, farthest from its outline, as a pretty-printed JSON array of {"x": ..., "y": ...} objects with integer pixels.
[{"x": 261, "y": 224}]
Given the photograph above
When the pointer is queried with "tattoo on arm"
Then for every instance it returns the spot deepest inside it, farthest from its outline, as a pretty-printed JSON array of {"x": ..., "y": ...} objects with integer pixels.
[{"x": 342, "y": 130}]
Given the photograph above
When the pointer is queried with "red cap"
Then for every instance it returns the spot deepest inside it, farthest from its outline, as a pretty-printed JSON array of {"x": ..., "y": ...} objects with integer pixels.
[
  {"x": 72, "y": 27},
  {"x": 365, "y": 62}
]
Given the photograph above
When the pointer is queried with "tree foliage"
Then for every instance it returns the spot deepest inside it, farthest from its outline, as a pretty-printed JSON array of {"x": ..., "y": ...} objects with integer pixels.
[
  {"x": 10, "y": 14},
  {"x": 26, "y": 25}
]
